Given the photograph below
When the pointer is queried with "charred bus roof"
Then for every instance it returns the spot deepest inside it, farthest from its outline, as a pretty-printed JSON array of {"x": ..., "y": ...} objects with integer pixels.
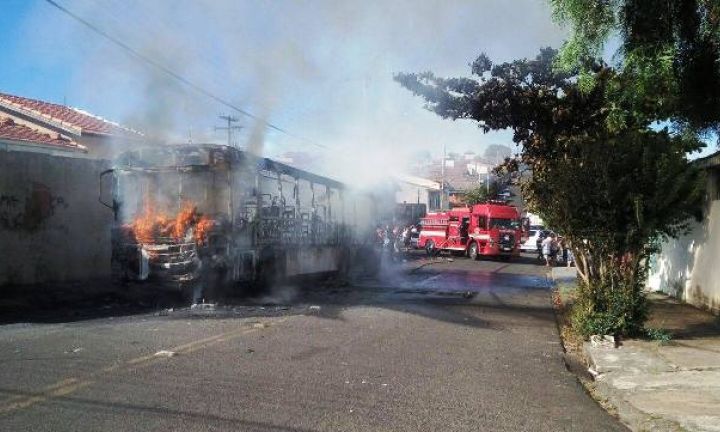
[{"x": 203, "y": 157}]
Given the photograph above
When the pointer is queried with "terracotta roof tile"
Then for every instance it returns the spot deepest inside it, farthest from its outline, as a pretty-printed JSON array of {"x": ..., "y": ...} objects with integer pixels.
[
  {"x": 16, "y": 132},
  {"x": 73, "y": 117}
]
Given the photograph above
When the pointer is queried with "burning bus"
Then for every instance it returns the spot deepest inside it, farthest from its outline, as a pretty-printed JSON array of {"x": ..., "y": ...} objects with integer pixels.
[{"x": 206, "y": 218}]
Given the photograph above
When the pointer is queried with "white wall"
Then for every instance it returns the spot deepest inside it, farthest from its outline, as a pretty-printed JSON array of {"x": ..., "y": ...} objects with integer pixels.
[
  {"x": 689, "y": 267},
  {"x": 408, "y": 193},
  {"x": 52, "y": 227}
]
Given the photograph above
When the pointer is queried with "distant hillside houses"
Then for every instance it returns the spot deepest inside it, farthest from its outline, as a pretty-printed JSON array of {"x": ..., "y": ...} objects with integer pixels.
[{"x": 461, "y": 173}]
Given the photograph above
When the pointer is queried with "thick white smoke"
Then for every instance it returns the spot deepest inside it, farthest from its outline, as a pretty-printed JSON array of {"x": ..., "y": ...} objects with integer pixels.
[{"x": 321, "y": 69}]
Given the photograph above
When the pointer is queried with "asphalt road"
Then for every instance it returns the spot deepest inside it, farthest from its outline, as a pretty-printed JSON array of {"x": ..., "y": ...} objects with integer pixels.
[{"x": 454, "y": 346}]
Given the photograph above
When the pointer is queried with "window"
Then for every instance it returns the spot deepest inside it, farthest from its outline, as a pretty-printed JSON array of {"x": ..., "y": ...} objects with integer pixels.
[
  {"x": 434, "y": 200},
  {"x": 504, "y": 223}
]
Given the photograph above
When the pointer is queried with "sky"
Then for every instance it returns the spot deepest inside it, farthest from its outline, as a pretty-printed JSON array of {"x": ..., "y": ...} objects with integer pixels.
[{"x": 322, "y": 70}]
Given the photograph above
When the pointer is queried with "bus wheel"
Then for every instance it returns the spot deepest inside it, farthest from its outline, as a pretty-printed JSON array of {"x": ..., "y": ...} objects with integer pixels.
[
  {"x": 473, "y": 251},
  {"x": 430, "y": 248}
]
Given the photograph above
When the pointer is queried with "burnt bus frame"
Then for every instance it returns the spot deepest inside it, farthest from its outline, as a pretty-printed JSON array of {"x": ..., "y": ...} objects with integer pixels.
[{"x": 261, "y": 256}]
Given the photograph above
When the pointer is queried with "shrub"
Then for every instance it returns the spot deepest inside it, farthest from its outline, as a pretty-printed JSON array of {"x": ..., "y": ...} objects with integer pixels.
[
  {"x": 609, "y": 309},
  {"x": 659, "y": 335}
]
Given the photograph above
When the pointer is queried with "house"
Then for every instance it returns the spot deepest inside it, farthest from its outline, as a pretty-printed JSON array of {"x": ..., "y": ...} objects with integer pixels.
[
  {"x": 98, "y": 137},
  {"x": 459, "y": 176},
  {"x": 19, "y": 137},
  {"x": 687, "y": 267},
  {"x": 53, "y": 228},
  {"x": 417, "y": 190}
]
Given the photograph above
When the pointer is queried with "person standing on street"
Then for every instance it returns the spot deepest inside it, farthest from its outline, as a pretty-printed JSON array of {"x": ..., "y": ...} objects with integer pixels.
[
  {"x": 563, "y": 249},
  {"x": 538, "y": 244},
  {"x": 547, "y": 249}
]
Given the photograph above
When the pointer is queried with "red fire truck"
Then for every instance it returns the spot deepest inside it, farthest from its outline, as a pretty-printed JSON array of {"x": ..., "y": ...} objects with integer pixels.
[{"x": 490, "y": 229}]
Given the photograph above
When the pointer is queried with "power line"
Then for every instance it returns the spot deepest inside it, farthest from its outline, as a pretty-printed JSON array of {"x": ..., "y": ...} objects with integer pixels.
[{"x": 175, "y": 75}]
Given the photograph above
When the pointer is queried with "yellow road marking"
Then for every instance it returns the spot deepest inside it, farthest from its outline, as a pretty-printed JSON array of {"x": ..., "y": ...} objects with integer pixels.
[
  {"x": 70, "y": 385},
  {"x": 44, "y": 390}
]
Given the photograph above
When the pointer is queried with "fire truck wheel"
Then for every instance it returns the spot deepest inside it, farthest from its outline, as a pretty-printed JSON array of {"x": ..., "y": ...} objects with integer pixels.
[
  {"x": 473, "y": 251},
  {"x": 430, "y": 247}
]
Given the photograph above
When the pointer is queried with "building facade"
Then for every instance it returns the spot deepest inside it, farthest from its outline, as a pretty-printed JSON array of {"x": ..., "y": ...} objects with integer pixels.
[{"x": 418, "y": 190}]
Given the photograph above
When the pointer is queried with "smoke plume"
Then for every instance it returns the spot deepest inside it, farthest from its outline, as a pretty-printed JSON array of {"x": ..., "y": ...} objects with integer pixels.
[{"x": 321, "y": 69}]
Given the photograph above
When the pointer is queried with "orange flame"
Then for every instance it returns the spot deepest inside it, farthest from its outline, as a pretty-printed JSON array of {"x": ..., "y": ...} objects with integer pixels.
[
  {"x": 152, "y": 224},
  {"x": 201, "y": 230}
]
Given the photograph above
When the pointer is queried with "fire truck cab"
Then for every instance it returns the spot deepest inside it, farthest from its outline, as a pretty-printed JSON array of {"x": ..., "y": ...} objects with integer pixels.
[{"x": 489, "y": 229}]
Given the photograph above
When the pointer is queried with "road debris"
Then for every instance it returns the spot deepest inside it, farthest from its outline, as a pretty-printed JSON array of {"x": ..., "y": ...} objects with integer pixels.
[
  {"x": 595, "y": 374},
  {"x": 603, "y": 341}
]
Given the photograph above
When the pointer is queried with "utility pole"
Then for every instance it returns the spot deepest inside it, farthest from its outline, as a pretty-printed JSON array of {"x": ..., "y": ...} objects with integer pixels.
[
  {"x": 229, "y": 128},
  {"x": 442, "y": 180}
]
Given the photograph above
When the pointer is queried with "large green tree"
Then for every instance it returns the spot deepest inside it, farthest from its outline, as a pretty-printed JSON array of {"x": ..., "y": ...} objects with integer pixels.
[
  {"x": 609, "y": 186},
  {"x": 669, "y": 51}
]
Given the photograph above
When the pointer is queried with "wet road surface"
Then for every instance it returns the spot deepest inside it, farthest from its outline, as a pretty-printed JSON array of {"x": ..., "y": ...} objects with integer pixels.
[{"x": 459, "y": 345}]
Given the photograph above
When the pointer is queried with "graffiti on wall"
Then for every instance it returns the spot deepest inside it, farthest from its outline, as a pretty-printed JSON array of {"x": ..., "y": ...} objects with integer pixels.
[{"x": 28, "y": 213}]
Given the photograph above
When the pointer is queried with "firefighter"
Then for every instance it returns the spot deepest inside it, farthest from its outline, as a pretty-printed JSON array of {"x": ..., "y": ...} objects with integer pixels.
[{"x": 464, "y": 229}]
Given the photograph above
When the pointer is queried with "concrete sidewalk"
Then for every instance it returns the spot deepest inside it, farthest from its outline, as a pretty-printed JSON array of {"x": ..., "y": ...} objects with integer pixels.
[{"x": 664, "y": 387}]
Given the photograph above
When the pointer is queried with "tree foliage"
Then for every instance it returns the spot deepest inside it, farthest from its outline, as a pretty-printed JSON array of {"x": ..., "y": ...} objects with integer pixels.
[
  {"x": 670, "y": 53},
  {"x": 601, "y": 176},
  {"x": 481, "y": 194}
]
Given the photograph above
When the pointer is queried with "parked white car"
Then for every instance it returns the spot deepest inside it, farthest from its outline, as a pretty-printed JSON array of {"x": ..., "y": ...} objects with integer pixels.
[{"x": 530, "y": 245}]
